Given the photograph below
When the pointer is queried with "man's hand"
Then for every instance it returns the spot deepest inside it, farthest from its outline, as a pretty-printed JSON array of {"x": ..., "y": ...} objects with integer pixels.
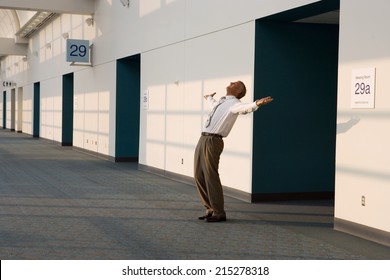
[
  {"x": 263, "y": 101},
  {"x": 211, "y": 95}
]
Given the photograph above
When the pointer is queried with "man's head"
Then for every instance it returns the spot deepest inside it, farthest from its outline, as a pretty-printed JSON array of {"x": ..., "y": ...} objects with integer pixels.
[{"x": 237, "y": 89}]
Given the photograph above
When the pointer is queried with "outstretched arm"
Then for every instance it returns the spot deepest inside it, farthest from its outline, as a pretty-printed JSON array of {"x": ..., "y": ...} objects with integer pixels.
[
  {"x": 245, "y": 108},
  {"x": 207, "y": 95}
]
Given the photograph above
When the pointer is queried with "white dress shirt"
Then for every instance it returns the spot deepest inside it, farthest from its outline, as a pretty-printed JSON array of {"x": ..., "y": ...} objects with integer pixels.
[{"x": 226, "y": 114}]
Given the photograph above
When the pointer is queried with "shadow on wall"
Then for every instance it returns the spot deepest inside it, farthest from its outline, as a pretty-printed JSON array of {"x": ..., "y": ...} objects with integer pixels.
[{"x": 344, "y": 127}]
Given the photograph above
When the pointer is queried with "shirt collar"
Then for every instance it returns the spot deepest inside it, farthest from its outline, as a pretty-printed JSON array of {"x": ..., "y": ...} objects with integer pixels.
[{"x": 230, "y": 97}]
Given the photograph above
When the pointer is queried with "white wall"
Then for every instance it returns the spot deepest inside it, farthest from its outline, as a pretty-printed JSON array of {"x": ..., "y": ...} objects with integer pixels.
[
  {"x": 150, "y": 24},
  {"x": 19, "y": 110},
  {"x": 51, "y": 109},
  {"x": 94, "y": 109},
  {"x": 363, "y": 137},
  {"x": 28, "y": 109},
  {"x": 171, "y": 127}
]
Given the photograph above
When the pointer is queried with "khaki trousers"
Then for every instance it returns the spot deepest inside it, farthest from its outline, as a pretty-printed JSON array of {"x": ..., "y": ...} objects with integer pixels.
[{"x": 206, "y": 163}]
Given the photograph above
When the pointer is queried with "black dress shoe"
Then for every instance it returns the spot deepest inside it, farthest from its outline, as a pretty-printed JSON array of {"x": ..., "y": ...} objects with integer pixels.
[
  {"x": 208, "y": 215},
  {"x": 215, "y": 219}
]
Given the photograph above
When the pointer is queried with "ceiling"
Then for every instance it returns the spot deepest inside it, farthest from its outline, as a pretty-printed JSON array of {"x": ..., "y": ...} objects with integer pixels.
[
  {"x": 17, "y": 15},
  {"x": 9, "y": 23},
  {"x": 332, "y": 17}
]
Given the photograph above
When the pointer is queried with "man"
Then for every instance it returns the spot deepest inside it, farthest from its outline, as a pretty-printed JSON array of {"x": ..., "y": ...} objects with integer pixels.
[{"x": 207, "y": 153}]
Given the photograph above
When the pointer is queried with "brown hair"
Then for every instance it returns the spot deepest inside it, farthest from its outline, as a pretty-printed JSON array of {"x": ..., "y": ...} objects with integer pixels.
[{"x": 243, "y": 92}]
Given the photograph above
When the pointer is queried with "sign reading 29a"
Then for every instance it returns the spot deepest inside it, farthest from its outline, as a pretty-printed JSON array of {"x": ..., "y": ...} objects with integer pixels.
[{"x": 77, "y": 50}]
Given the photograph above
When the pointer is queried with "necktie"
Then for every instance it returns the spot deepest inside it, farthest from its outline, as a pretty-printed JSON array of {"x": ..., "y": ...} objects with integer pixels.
[{"x": 223, "y": 98}]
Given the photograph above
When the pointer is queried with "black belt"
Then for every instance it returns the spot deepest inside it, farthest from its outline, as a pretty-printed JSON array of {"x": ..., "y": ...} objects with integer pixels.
[{"x": 211, "y": 134}]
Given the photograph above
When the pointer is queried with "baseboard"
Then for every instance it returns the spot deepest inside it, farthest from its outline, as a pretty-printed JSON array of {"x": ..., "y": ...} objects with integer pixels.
[
  {"x": 265, "y": 197},
  {"x": 66, "y": 144},
  {"x": 365, "y": 232},
  {"x": 241, "y": 195},
  {"x": 170, "y": 175},
  {"x": 126, "y": 159},
  {"x": 95, "y": 154},
  {"x": 190, "y": 181}
]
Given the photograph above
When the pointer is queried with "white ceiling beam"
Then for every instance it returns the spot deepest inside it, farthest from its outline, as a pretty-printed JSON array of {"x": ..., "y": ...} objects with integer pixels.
[
  {"x": 8, "y": 47},
  {"x": 82, "y": 7}
]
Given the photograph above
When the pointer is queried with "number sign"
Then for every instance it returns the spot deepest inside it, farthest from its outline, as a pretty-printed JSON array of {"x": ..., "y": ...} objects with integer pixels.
[
  {"x": 77, "y": 50},
  {"x": 9, "y": 84},
  {"x": 363, "y": 88}
]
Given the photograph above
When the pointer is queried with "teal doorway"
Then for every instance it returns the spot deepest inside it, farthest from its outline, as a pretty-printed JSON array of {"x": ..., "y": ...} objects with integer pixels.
[
  {"x": 67, "y": 109},
  {"x": 36, "y": 109},
  {"x": 13, "y": 107},
  {"x": 4, "y": 109},
  {"x": 294, "y": 138},
  {"x": 128, "y": 108}
]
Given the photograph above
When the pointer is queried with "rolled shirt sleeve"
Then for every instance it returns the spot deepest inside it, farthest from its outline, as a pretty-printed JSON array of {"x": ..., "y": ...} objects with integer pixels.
[{"x": 244, "y": 108}]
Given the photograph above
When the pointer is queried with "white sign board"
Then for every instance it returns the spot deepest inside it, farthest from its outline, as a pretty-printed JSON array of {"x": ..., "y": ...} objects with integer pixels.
[
  {"x": 145, "y": 99},
  {"x": 363, "y": 88},
  {"x": 77, "y": 50}
]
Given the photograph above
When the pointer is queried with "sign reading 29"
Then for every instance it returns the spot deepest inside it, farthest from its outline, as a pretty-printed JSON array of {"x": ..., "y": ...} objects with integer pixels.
[{"x": 77, "y": 50}]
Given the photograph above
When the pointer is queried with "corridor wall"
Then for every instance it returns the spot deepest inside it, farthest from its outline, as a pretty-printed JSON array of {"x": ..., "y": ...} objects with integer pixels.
[
  {"x": 362, "y": 155},
  {"x": 176, "y": 78}
]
